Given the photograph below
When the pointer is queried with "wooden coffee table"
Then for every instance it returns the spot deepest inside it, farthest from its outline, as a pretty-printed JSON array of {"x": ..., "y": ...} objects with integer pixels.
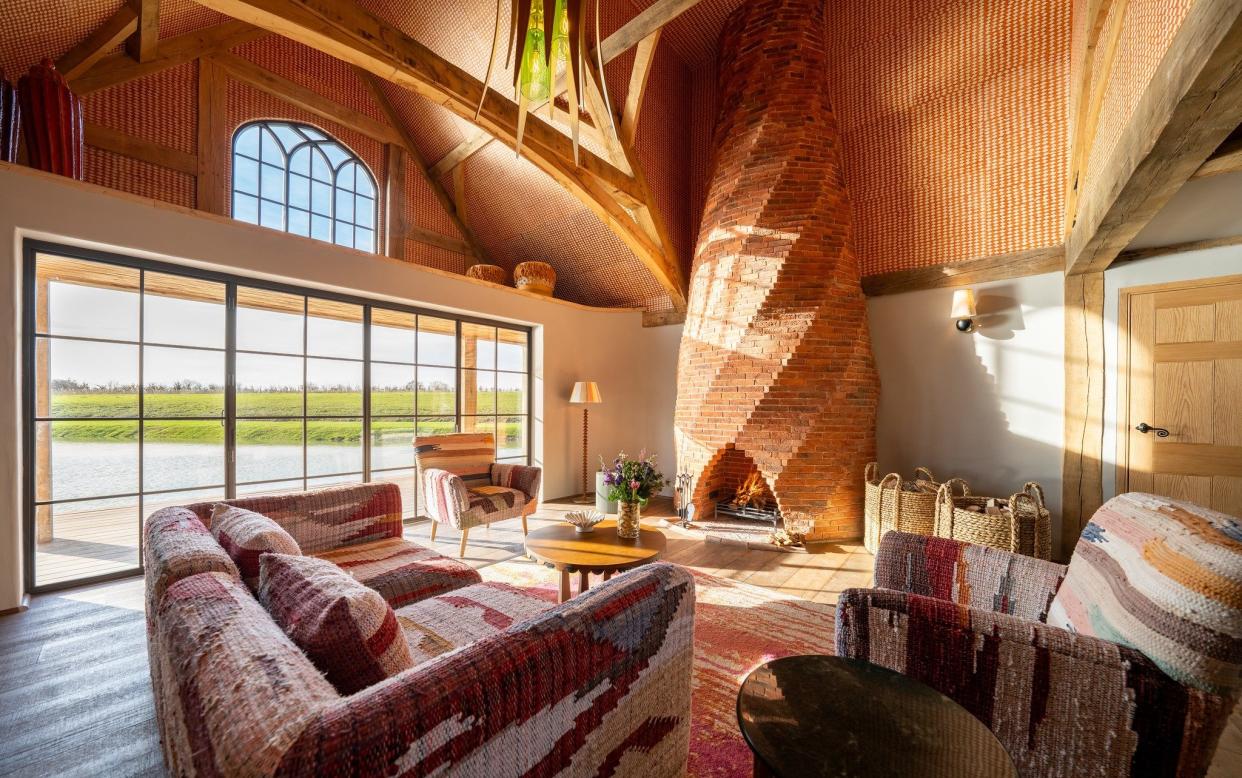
[{"x": 561, "y": 547}]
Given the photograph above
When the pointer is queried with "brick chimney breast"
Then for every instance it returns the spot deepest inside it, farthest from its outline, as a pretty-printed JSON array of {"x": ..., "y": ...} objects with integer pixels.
[{"x": 775, "y": 361}]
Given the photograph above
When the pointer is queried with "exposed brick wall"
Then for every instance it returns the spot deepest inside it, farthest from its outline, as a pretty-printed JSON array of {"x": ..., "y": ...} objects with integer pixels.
[{"x": 775, "y": 355}]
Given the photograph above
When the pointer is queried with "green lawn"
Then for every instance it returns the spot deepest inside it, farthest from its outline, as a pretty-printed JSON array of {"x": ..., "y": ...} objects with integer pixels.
[{"x": 167, "y": 430}]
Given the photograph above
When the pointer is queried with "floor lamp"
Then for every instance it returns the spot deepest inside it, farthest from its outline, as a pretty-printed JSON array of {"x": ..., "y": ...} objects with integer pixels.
[{"x": 586, "y": 393}]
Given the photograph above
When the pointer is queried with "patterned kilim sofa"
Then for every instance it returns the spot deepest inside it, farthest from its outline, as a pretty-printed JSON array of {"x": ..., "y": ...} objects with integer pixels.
[
  {"x": 463, "y": 487},
  {"x": 499, "y": 681},
  {"x": 1126, "y": 662}
]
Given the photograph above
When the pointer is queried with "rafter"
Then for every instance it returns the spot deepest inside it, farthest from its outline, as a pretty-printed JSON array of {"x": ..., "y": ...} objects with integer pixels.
[
  {"x": 644, "y": 56},
  {"x": 470, "y": 246},
  {"x": 95, "y": 46},
  {"x": 126, "y": 145},
  {"x": 1190, "y": 106},
  {"x": 1226, "y": 159},
  {"x": 1090, "y": 96},
  {"x": 648, "y": 21},
  {"x": 461, "y": 152},
  {"x": 144, "y": 43},
  {"x": 348, "y": 32},
  {"x": 121, "y": 68}
]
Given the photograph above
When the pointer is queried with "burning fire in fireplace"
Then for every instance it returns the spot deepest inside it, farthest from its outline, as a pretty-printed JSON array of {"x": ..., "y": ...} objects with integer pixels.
[{"x": 751, "y": 493}]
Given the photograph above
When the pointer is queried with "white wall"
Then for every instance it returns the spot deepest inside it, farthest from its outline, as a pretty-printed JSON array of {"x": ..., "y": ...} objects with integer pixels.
[
  {"x": 635, "y": 366},
  {"x": 986, "y": 406}
]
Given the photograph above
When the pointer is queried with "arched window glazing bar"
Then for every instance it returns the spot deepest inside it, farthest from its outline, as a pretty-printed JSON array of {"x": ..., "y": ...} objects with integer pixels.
[{"x": 293, "y": 177}]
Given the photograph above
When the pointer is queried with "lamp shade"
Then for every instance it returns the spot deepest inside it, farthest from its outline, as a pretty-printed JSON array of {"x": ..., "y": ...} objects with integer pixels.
[
  {"x": 963, "y": 304},
  {"x": 586, "y": 392}
]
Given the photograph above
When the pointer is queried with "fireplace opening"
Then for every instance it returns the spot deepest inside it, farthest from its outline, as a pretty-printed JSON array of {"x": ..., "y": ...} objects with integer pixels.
[{"x": 732, "y": 487}]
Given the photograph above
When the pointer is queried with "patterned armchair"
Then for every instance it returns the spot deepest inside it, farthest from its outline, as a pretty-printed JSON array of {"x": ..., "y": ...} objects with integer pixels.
[
  {"x": 463, "y": 487},
  {"x": 1126, "y": 662}
]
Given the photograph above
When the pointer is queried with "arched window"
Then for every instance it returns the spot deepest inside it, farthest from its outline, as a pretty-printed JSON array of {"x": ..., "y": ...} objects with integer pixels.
[{"x": 293, "y": 177}]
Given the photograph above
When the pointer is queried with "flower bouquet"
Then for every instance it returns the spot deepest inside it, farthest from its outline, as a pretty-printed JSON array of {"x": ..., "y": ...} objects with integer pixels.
[{"x": 631, "y": 482}]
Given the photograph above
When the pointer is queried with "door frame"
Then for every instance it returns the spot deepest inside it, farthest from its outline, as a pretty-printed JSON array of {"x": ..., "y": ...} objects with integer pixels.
[{"x": 1122, "y": 477}]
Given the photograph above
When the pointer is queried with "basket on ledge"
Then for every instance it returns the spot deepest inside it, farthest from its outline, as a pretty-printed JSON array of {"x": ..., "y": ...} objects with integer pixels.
[
  {"x": 892, "y": 504},
  {"x": 1020, "y": 524}
]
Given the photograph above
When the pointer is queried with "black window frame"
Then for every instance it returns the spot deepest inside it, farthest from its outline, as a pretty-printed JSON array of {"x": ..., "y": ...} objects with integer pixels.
[
  {"x": 312, "y": 145},
  {"x": 32, "y": 248}
]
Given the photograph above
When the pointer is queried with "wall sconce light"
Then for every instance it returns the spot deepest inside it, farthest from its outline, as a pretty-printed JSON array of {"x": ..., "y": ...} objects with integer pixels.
[{"x": 964, "y": 310}]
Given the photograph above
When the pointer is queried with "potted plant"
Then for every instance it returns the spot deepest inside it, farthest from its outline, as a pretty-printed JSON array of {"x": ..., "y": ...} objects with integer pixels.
[{"x": 632, "y": 482}]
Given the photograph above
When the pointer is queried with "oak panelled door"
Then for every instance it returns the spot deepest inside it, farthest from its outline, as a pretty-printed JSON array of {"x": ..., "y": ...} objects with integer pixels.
[{"x": 1180, "y": 392}]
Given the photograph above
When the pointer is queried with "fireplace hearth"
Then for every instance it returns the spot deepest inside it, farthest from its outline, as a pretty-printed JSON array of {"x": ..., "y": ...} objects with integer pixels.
[{"x": 729, "y": 510}]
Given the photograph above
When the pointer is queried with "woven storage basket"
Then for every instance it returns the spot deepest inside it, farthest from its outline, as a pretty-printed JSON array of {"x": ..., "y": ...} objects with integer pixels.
[
  {"x": 891, "y": 504},
  {"x": 1028, "y": 532}
]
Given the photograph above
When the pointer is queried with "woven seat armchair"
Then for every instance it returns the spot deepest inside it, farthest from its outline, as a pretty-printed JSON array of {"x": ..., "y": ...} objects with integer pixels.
[
  {"x": 464, "y": 487},
  {"x": 1098, "y": 700}
]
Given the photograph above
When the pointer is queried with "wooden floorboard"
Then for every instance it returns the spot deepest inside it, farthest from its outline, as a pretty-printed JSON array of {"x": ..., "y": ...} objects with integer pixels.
[{"x": 75, "y": 693}]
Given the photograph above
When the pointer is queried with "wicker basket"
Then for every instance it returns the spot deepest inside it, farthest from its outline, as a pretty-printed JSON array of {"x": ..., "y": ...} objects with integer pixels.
[
  {"x": 891, "y": 504},
  {"x": 1028, "y": 531}
]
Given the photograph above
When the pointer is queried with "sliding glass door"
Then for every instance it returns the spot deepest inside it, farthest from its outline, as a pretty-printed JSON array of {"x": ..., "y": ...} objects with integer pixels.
[{"x": 148, "y": 385}]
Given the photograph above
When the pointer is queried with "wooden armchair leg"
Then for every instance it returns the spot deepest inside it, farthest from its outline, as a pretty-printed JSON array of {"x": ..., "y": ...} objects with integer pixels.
[
  {"x": 524, "y": 521},
  {"x": 462, "y": 552},
  {"x": 434, "y": 524}
]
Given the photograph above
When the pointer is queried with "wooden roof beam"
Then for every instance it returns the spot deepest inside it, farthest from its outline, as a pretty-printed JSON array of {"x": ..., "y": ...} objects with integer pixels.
[
  {"x": 648, "y": 21},
  {"x": 121, "y": 68},
  {"x": 354, "y": 35},
  {"x": 1191, "y": 105},
  {"x": 644, "y": 56},
  {"x": 95, "y": 46},
  {"x": 143, "y": 45},
  {"x": 1090, "y": 97},
  {"x": 461, "y": 152},
  {"x": 1226, "y": 159}
]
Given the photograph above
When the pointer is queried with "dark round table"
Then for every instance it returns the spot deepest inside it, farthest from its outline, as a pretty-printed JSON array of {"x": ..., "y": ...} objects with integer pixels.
[{"x": 816, "y": 715}]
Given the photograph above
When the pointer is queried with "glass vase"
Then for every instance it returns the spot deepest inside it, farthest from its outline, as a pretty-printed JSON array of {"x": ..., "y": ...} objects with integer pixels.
[{"x": 628, "y": 519}]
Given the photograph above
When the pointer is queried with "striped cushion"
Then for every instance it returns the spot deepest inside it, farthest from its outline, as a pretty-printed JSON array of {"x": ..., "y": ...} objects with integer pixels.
[
  {"x": 468, "y": 455},
  {"x": 493, "y": 499},
  {"x": 346, "y": 629},
  {"x": 245, "y": 535},
  {"x": 1163, "y": 577},
  {"x": 401, "y": 571}
]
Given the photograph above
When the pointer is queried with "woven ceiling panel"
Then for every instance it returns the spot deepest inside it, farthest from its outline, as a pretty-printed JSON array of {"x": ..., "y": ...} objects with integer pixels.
[
  {"x": 434, "y": 256},
  {"x": 435, "y": 131},
  {"x": 34, "y": 29},
  {"x": 178, "y": 17},
  {"x": 130, "y": 175},
  {"x": 160, "y": 107},
  {"x": 423, "y": 207},
  {"x": 1146, "y": 34},
  {"x": 544, "y": 222},
  {"x": 312, "y": 69}
]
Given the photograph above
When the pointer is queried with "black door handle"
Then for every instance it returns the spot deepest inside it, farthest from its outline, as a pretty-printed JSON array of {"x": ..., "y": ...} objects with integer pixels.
[{"x": 1161, "y": 432}]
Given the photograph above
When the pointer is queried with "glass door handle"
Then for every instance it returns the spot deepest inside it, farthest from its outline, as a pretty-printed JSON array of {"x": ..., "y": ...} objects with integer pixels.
[{"x": 1144, "y": 428}]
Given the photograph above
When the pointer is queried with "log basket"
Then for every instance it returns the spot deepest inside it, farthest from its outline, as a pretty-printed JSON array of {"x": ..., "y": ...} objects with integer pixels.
[
  {"x": 891, "y": 504},
  {"x": 1028, "y": 530}
]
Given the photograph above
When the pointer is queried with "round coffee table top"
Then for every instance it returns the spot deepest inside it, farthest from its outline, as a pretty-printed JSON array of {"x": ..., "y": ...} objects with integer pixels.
[
  {"x": 824, "y": 715},
  {"x": 600, "y": 551}
]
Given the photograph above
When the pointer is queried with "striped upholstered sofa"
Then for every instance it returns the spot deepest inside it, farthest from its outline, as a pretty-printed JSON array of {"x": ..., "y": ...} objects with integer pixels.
[
  {"x": 1126, "y": 662},
  {"x": 500, "y": 680}
]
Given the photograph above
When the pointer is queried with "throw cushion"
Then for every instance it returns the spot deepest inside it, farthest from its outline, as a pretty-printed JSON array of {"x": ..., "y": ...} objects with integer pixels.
[
  {"x": 245, "y": 535},
  {"x": 347, "y": 630},
  {"x": 1163, "y": 577}
]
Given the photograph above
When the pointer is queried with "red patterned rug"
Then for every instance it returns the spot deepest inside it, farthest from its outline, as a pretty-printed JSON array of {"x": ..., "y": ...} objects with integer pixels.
[{"x": 736, "y": 628}]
